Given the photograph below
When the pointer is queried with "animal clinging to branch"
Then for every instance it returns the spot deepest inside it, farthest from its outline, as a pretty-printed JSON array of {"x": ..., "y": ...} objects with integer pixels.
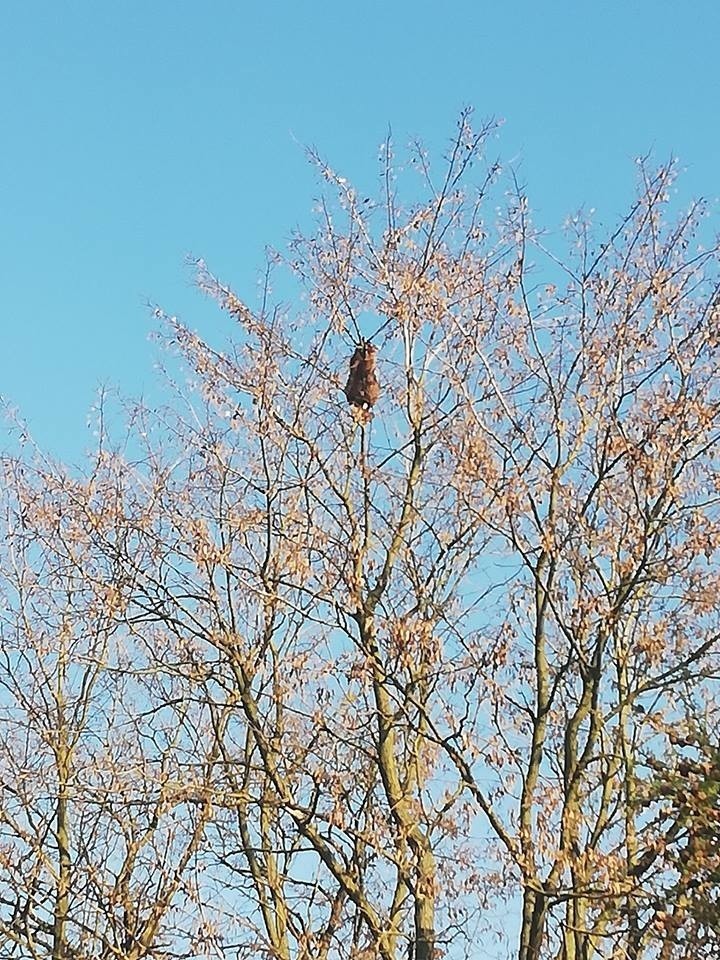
[{"x": 362, "y": 388}]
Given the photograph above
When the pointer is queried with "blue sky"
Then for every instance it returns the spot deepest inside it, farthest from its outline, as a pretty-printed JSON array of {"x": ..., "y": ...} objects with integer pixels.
[{"x": 137, "y": 132}]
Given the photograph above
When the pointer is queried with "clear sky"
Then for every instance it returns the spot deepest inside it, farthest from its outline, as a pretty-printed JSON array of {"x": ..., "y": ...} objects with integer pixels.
[{"x": 135, "y": 132}]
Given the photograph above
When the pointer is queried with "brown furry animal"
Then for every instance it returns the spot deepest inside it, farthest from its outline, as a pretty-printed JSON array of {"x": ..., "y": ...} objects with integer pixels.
[{"x": 362, "y": 388}]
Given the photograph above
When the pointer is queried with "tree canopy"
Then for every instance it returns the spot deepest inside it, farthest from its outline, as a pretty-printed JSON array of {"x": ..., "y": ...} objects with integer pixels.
[{"x": 283, "y": 679}]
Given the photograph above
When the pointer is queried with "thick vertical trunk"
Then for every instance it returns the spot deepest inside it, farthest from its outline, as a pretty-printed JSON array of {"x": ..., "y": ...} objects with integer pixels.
[
  {"x": 62, "y": 839},
  {"x": 533, "y": 925},
  {"x": 425, "y": 908},
  {"x": 425, "y": 945}
]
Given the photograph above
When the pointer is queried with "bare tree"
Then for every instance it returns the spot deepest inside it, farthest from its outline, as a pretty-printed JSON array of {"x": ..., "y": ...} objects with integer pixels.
[
  {"x": 105, "y": 783},
  {"x": 348, "y": 683}
]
